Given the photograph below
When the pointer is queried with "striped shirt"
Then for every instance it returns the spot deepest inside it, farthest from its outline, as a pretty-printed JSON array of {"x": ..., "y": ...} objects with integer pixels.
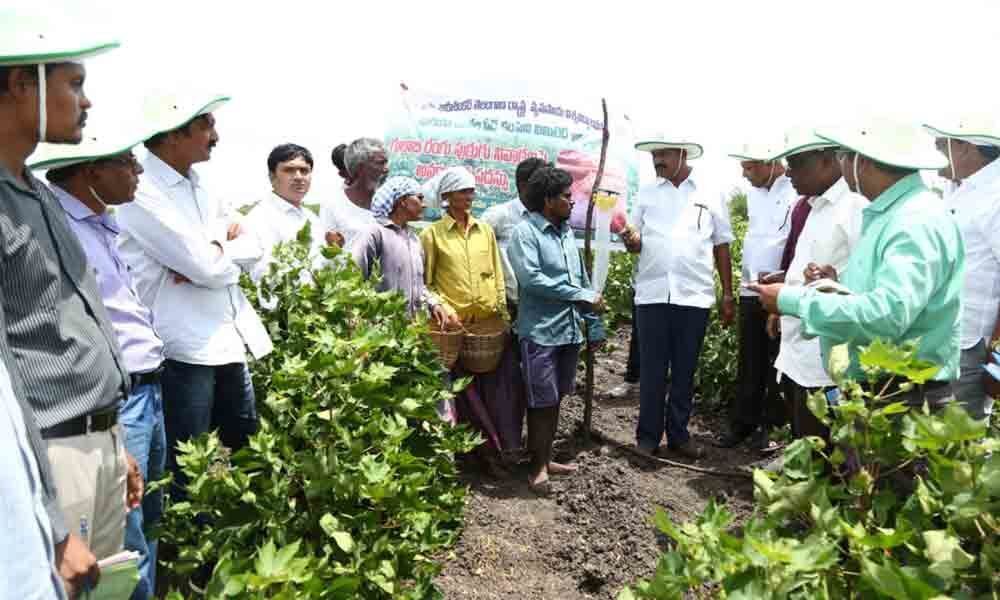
[{"x": 66, "y": 356}]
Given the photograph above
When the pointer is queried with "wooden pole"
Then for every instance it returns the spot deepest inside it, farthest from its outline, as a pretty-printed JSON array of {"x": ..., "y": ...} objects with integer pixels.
[{"x": 588, "y": 258}]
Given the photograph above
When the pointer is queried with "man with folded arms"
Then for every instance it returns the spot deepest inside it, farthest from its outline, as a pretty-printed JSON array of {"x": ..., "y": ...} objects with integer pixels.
[
  {"x": 187, "y": 250},
  {"x": 904, "y": 274},
  {"x": 86, "y": 179},
  {"x": 972, "y": 145}
]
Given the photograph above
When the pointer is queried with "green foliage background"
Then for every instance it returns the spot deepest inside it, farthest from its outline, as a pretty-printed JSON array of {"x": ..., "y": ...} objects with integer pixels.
[{"x": 349, "y": 489}]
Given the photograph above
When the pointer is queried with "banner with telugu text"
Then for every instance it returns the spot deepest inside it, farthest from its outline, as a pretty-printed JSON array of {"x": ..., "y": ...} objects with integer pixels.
[{"x": 491, "y": 135}]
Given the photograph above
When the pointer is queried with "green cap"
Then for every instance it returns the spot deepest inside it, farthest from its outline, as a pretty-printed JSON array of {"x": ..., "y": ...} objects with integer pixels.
[
  {"x": 32, "y": 40},
  {"x": 979, "y": 129},
  {"x": 893, "y": 143},
  {"x": 660, "y": 141},
  {"x": 799, "y": 140},
  {"x": 100, "y": 141},
  {"x": 168, "y": 111}
]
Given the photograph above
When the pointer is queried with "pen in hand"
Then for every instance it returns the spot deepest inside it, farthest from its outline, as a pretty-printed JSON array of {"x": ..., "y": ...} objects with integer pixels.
[{"x": 85, "y": 537}]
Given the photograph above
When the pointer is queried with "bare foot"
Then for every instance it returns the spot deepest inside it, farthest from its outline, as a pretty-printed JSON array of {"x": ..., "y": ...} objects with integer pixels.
[
  {"x": 539, "y": 483},
  {"x": 562, "y": 469}
]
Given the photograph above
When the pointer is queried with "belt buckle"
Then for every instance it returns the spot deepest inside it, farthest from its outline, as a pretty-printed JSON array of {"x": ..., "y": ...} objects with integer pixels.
[{"x": 88, "y": 424}]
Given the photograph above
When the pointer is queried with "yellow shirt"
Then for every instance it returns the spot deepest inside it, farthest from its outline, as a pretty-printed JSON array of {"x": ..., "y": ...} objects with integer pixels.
[{"x": 463, "y": 268}]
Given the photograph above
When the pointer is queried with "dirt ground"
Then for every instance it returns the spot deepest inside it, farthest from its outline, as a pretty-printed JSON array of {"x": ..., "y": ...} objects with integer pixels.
[{"x": 593, "y": 534}]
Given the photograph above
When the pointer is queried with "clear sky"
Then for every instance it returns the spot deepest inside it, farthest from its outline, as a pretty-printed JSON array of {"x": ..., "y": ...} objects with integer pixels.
[{"x": 318, "y": 73}]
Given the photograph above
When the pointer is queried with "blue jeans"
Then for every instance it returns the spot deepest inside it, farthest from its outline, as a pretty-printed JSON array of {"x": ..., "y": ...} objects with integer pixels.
[
  {"x": 202, "y": 398},
  {"x": 670, "y": 338},
  {"x": 141, "y": 417}
]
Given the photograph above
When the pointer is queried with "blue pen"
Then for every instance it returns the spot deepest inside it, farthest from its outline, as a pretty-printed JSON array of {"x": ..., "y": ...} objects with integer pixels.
[{"x": 85, "y": 536}]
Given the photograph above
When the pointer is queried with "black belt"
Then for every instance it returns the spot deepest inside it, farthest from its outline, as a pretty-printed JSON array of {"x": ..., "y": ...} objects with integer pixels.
[
  {"x": 82, "y": 425},
  {"x": 146, "y": 378}
]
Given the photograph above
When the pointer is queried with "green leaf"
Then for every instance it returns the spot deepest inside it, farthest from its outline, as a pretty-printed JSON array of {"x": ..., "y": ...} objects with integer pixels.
[
  {"x": 898, "y": 360},
  {"x": 266, "y": 566},
  {"x": 344, "y": 540},
  {"x": 945, "y": 552}
]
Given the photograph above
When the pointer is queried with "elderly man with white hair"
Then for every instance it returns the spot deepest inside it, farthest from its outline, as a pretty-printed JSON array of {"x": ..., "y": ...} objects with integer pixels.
[
  {"x": 348, "y": 214},
  {"x": 972, "y": 145},
  {"x": 905, "y": 273},
  {"x": 681, "y": 229}
]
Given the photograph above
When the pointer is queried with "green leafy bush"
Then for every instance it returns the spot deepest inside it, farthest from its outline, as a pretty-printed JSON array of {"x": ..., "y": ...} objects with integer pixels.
[
  {"x": 904, "y": 504},
  {"x": 349, "y": 488}
]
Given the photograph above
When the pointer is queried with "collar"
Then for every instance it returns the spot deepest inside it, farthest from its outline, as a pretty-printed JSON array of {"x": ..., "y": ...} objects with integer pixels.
[
  {"x": 519, "y": 206},
  {"x": 838, "y": 190},
  {"x": 33, "y": 183},
  {"x": 165, "y": 173},
  {"x": 78, "y": 211},
  {"x": 450, "y": 223},
  {"x": 903, "y": 188},
  {"x": 780, "y": 185},
  {"x": 283, "y": 205},
  {"x": 987, "y": 175},
  {"x": 690, "y": 179}
]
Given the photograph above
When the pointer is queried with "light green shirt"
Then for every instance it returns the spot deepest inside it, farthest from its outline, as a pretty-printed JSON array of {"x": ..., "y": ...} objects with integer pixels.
[{"x": 906, "y": 277}]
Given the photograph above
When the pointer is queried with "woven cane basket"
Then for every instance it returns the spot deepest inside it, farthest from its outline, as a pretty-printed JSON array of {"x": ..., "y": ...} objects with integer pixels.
[
  {"x": 484, "y": 345},
  {"x": 449, "y": 344}
]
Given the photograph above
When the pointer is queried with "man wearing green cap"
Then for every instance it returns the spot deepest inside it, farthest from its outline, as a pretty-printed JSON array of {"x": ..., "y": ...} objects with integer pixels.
[
  {"x": 62, "y": 355},
  {"x": 904, "y": 275},
  {"x": 187, "y": 250},
  {"x": 87, "y": 179},
  {"x": 769, "y": 205},
  {"x": 972, "y": 145},
  {"x": 830, "y": 229}
]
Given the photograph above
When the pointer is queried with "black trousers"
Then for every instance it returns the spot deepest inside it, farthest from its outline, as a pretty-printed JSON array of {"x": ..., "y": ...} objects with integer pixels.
[
  {"x": 632, "y": 367},
  {"x": 804, "y": 422},
  {"x": 757, "y": 400}
]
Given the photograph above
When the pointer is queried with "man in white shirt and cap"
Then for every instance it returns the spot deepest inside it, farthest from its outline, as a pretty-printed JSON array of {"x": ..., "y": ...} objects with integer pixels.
[
  {"x": 769, "y": 204},
  {"x": 187, "y": 251},
  {"x": 280, "y": 216},
  {"x": 831, "y": 230},
  {"x": 348, "y": 214},
  {"x": 63, "y": 362},
  {"x": 680, "y": 228},
  {"x": 972, "y": 144}
]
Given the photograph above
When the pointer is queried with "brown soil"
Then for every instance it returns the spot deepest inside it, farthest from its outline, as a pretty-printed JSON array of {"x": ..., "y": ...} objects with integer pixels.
[{"x": 593, "y": 534}]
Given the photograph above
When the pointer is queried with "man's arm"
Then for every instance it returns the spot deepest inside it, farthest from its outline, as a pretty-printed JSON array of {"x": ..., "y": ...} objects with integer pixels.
[
  {"x": 525, "y": 258},
  {"x": 909, "y": 273},
  {"x": 177, "y": 246},
  {"x": 724, "y": 266}
]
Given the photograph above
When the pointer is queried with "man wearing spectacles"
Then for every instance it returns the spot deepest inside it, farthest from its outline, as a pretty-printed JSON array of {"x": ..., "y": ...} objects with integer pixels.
[
  {"x": 830, "y": 230},
  {"x": 88, "y": 180},
  {"x": 904, "y": 276}
]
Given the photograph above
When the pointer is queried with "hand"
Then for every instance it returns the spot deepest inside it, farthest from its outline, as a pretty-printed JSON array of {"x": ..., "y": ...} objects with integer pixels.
[
  {"x": 595, "y": 346},
  {"x": 441, "y": 316},
  {"x": 597, "y": 306},
  {"x": 773, "y": 326},
  {"x": 775, "y": 277},
  {"x": 178, "y": 278},
  {"x": 632, "y": 240},
  {"x": 768, "y": 293},
  {"x": 814, "y": 272},
  {"x": 728, "y": 311},
  {"x": 133, "y": 484},
  {"x": 334, "y": 238},
  {"x": 234, "y": 231},
  {"x": 77, "y": 565}
]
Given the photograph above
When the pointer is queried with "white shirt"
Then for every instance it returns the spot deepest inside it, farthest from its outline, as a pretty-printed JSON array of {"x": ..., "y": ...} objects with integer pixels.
[
  {"x": 503, "y": 218},
  {"x": 679, "y": 228},
  {"x": 340, "y": 214},
  {"x": 769, "y": 211},
  {"x": 832, "y": 229},
  {"x": 170, "y": 228},
  {"x": 975, "y": 203},
  {"x": 274, "y": 220}
]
